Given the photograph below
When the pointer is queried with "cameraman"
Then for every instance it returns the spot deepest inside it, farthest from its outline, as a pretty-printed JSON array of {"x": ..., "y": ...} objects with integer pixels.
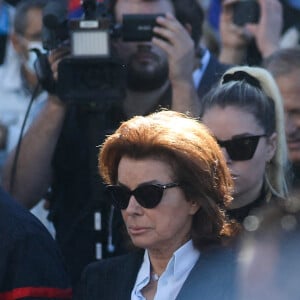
[{"x": 60, "y": 148}]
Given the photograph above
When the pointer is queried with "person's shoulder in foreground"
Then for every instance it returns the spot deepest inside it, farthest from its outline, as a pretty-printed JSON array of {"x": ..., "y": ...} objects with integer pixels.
[{"x": 31, "y": 265}]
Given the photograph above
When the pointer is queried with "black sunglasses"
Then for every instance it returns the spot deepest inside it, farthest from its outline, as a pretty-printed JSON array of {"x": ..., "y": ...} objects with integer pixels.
[
  {"x": 147, "y": 195},
  {"x": 241, "y": 148}
]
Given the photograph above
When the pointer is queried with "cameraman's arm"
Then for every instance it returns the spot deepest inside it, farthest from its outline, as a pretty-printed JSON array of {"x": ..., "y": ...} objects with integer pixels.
[
  {"x": 182, "y": 59},
  {"x": 33, "y": 172}
]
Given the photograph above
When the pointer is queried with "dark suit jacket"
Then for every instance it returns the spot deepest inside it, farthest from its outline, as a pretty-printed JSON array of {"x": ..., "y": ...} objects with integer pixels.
[
  {"x": 212, "y": 278},
  {"x": 211, "y": 76}
]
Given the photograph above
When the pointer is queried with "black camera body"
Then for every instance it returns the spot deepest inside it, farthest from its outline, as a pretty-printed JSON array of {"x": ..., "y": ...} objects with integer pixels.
[{"x": 92, "y": 72}]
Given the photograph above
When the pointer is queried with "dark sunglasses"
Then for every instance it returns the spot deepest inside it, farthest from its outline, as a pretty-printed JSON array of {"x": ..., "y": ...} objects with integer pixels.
[
  {"x": 241, "y": 148},
  {"x": 147, "y": 195}
]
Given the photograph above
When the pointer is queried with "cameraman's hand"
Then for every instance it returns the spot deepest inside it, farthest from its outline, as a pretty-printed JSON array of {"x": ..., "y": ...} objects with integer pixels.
[
  {"x": 268, "y": 31},
  {"x": 179, "y": 47},
  {"x": 55, "y": 57}
]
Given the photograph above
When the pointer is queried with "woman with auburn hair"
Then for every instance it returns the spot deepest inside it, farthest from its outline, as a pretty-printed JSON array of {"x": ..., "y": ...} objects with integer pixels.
[
  {"x": 245, "y": 114},
  {"x": 167, "y": 175}
]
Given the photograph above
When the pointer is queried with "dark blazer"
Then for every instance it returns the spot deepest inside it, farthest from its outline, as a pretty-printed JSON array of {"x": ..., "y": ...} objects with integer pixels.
[
  {"x": 211, "y": 76},
  {"x": 212, "y": 278}
]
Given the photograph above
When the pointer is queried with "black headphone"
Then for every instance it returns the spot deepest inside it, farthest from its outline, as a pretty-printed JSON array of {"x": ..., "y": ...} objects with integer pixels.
[{"x": 43, "y": 72}]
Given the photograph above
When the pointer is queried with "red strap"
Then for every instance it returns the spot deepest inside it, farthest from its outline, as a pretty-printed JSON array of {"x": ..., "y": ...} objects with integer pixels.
[{"x": 41, "y": 292}]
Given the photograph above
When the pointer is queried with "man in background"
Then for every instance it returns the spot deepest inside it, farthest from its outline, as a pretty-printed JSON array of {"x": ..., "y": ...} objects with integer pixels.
[
  {"x": 19, "y": 87},
  {"x": 284, "y": 64},
  {"x": 18, "y": 79}
]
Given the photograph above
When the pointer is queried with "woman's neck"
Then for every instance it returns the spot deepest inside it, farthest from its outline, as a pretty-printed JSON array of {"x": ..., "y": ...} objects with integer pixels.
[
  {"x": 241, "y": 200},
  {"x": 159, "y": 258},
  {"x": 159, "y": 261}
]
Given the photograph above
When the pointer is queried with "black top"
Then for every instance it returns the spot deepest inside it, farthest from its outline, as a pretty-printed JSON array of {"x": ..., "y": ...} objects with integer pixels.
[
  {"x": 239, "y": 214},
  {"x": 77, "y": 189}
]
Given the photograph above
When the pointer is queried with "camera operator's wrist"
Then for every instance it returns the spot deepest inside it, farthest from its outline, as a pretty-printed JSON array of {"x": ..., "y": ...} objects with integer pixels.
[
  {"x": 55, "y": 103},
  {"x": 185, "y": 98}
]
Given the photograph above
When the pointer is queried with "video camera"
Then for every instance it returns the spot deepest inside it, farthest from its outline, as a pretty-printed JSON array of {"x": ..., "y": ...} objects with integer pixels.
[{"x": 93, "y": 72}]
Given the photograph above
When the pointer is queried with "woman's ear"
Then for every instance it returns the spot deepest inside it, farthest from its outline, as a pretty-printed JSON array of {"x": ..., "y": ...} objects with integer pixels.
[
  {"x": 271, "y": 146},
  {"x": 194, "y": 207}
]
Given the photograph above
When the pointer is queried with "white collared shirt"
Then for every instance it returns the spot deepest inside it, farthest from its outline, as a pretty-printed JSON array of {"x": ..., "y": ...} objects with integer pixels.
[
  {"x": 198, "y": 73},
  {"x": 174, "y": 276}
]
